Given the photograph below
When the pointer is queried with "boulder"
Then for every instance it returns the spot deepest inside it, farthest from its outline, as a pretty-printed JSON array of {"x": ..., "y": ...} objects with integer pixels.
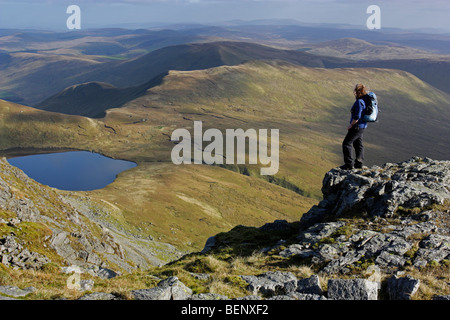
[
  {"x": 168, "y": 289},
  {"x": 208, "y": 296},
  {"x": 380, "y": 191},
  {"x": 402, "y": 288},
  {"x": 271, "y": 283},
  {"x": 310, "y": 285},
  {"x": 307, "y": 296},
  {"x": 352, "y": 289},
  {"x": 15, "y": 291},
  {"x": 99, "y": 296}
]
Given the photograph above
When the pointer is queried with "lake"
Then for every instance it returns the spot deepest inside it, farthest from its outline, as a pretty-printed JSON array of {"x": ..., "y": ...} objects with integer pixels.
[{"x": 71, "y": 170}]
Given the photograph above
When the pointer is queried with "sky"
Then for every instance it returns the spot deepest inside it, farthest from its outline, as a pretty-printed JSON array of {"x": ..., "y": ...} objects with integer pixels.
[{"x": 51, "y": 14}]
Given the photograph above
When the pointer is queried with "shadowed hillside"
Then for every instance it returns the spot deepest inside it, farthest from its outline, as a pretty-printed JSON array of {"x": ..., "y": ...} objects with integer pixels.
[{"x": 92, "y": 99}]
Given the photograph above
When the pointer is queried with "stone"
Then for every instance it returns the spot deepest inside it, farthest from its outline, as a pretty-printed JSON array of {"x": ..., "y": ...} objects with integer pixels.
[
  {"x": 271, "y": 283},
  {"x": 441, "y": 297},
  {"x": 309, "y": 285},
  {"x": 168, "y": 289},
  {"x": 103, "y": 273},
  {"x": 208, "y": 296},
  {"x": 281, "y": 297},
  {"x": 177, "y": 289},
  {"x": 389, "y": 260},
  {"x": 86, "y": 285},
  {"x": 341, "y": 263},
  {"x": 99, "y": 296},
  {"x": 151, "y": 294},
  {"x": 251, "y": 297},
  {"x": 15, "y": 291},
  {"x": 402, "y": 288},
  {"x": 352, "y": 289},
  {"x": 307, "y": 296},
  {"x": 296, "y": 250},
  {"x": 320, "y": 231}
]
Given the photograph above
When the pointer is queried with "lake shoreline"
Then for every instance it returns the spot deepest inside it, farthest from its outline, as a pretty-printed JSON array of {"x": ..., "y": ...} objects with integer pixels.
[
  {"x": 28, "y": 151},
  {"x": 68, "y": 169}
]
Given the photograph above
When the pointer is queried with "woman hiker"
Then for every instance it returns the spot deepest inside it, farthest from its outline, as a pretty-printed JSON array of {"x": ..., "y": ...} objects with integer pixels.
[{"x": 354, "y": 137}]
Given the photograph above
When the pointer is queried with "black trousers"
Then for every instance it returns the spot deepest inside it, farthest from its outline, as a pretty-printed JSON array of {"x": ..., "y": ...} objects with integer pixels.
[{"x": 353, "y": 139}]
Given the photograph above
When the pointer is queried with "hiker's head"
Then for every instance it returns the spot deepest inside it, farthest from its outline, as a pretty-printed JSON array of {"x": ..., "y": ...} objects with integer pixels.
[{"x": 360, "y": 90}]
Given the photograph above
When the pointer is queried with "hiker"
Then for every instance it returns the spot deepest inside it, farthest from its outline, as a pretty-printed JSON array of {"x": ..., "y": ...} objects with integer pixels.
[{"x": 354, "y": 137}]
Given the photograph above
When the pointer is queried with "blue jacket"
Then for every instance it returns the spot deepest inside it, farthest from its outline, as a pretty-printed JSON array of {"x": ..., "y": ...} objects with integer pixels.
[{"x": 358, "y": 112}]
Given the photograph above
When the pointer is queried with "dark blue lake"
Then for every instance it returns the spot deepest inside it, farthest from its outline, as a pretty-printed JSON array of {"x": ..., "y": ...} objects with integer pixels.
[{"x": 72, "y": 170}]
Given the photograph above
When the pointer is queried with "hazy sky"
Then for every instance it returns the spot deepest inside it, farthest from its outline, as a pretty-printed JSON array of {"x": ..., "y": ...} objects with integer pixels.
[{"x": 51, "y": 14}]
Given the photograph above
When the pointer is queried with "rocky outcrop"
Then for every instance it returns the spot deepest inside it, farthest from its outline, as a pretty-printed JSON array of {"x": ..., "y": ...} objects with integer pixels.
[
  {"x": 15, "y": 255},
  {"x": 381, "y": 191},
  {"x": 400, "y": 226},
  {"x": 402, "y": 288},
  {"x": 169, "y": 289}
]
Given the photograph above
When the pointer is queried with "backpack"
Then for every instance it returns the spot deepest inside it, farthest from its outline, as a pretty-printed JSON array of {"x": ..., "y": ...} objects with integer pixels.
[{"x": 371, "y": 111}]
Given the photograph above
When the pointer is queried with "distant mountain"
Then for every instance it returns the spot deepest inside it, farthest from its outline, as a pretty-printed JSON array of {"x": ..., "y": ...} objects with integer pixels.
[
  {"x": 92, "y": 99},
  {"x": 35, "y": 77},
  {"x": 357, "y": 49},
  {"x": 432, "y": 68},
  {"x": 434, "y": 71},
  {"x": 55, "y": 61},
  {"x": 195, "y": 57}
]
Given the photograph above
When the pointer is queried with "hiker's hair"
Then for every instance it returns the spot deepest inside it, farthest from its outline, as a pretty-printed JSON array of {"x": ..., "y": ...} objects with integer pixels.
[{"x": 360, "y": 90}]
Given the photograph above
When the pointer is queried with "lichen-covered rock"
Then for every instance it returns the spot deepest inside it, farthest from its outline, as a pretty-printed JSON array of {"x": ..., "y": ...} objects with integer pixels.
[
  {"x": 169, "y": 289},
  {"x": 310, "y": 285},
  {"x": 402, "y": 288},
  {"x": 271, "y": 283},
  {"x": 15, "y": 291},
  {"x": 352, "y": 289}
]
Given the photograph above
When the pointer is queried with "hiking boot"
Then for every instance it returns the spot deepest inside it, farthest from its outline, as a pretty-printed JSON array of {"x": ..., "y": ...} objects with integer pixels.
[
  {"x": 358, "y": 165},
  {"x": 346, "y": 167}
]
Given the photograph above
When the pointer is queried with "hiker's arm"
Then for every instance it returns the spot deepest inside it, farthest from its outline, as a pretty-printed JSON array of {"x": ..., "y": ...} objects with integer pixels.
[
  {"x": 357, "y": 110},
  {"x": 352, "y": 124}
]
